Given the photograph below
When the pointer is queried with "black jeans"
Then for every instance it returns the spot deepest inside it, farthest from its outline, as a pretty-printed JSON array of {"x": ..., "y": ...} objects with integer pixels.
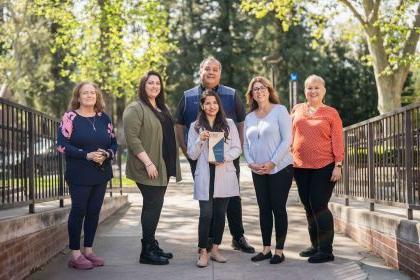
[
  {"x": 86, "y": 203},
  {"x": 272, "y": 192},
  {"x": 315, "y": 190},
  {"x": 234, "y": 210},
  {"x": 152, "y": 207},
  {"x": 212, "y": 216}
]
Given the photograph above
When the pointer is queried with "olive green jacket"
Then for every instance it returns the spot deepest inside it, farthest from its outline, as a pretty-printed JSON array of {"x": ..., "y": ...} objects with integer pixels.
[{"x": 143, "y": 133}]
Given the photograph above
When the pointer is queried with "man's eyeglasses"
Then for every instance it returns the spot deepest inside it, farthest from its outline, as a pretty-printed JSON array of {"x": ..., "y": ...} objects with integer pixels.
[{"x": 257, "y": 89}]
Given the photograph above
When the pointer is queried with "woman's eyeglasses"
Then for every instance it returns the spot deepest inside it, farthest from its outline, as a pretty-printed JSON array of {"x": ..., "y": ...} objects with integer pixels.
[{"x": 257, "y": 89}]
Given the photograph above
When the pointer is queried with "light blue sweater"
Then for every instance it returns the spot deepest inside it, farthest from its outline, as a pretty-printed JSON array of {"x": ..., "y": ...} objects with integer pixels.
[{"x": 269, "y": 138}]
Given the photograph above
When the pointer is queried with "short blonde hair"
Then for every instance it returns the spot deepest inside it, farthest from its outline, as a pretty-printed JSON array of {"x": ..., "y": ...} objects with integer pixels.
[
  {"x": 74, "y": 102},
  {"x": 314, "y": 78}
]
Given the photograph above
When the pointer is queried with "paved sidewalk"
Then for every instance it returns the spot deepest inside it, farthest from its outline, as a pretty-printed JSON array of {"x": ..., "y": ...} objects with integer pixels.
[{"x": 118, "y": 240}]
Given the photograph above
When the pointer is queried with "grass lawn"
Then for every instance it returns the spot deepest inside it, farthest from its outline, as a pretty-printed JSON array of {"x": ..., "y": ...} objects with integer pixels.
[{"x": 125, "y": 182}]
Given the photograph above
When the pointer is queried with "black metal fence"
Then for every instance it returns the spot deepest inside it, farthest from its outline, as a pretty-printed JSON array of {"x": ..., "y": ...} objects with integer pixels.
[
  {"x": 382, "y": 160},
  {"x": 31, "y": 168}
]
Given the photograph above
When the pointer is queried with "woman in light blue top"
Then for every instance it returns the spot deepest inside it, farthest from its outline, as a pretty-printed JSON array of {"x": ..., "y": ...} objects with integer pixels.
[{"x": 268, "y": 130}]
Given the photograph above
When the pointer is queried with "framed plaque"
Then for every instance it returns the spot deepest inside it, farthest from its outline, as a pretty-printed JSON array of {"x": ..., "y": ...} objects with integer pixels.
[{"x": 216, "y": 147}]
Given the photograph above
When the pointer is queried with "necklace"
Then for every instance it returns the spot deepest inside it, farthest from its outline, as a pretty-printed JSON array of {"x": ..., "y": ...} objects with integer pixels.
[
  {"x": 310, "y": 110},
  {"x": 92, "y": 122}
]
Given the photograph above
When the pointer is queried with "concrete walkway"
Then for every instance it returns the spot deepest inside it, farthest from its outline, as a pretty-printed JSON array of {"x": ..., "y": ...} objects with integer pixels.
[{"x": 118, "y": 240}]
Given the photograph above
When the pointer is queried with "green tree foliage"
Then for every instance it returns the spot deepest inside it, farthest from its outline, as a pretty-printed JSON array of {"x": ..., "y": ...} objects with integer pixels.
[
  {"x": 349, "y": 82},
  {"x": 111, "y": 42},
  {"x": 391, "y": 30},
  {"x": 25, "y": 59},
  {"x": 203, "y": 27},
  {"x": 197, "y": 29}
]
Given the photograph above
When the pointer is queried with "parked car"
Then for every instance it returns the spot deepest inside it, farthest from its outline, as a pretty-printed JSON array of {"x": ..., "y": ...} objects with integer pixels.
[{"x": 15, "y": 164}]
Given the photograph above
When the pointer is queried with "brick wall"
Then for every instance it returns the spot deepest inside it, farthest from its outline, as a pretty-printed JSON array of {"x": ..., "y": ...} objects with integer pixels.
[
  {"x": 18, "y": 257},
  {"x": 397, "y": 251},
  {"x": 28, "y": 242}
]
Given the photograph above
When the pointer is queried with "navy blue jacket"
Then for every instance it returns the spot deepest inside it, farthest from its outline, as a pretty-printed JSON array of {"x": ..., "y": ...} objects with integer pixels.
[{"x": 188, "y": 106}]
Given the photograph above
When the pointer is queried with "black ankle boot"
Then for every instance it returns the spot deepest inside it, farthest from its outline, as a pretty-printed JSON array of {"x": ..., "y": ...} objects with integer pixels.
[
  {"x": 308, "y": 252},
  {"x": 149, "y": 255},
  {"x": 321, "y": 257},
  {"x": 162, "y": 253}
]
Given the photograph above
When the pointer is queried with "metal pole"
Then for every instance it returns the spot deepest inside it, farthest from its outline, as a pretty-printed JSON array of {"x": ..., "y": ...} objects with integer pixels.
[
  {"x": 120, "y": 168},
  {"x": 294, "y": 92},
  {"x": 346, "y": 174},
  {"x": 61, "y": 179},
  {"x": 31, "y": 166},
  {"x": 371, "y": 167},
  {"x": 409, "y": 163},
  {"x": 290, "y": 96}
]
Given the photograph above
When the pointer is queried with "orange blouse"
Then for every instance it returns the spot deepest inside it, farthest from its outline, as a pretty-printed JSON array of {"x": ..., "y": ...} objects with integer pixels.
[{"x": 317, "y": 138}]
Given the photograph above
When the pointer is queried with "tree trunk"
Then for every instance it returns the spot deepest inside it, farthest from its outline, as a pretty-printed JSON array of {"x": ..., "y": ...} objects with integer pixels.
[
  {"x": 389, "y": 92},
  {"x": 389, "y": 86}
]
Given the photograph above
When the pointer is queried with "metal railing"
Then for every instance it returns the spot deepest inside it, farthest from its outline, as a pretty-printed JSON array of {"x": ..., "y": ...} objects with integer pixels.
[
  {"x": 382, "y": 160},
  {"x": 32, "y": 170}
]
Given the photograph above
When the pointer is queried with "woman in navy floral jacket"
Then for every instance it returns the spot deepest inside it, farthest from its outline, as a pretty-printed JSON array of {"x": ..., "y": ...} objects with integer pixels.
[{"x": 86, "y": 138}]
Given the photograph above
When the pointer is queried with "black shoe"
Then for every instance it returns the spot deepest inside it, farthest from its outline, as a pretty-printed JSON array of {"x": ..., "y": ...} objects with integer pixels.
[
  {"x": 242, "y": 245},
  {"x": 310, "y": 251},
  {"x": 321, "y": 257},
  {"x": 149, "y": 255},
  {"x": 161, "y": 253},
  {"x": 260, "y": 257},
  {"x": 277, "y": 259}
]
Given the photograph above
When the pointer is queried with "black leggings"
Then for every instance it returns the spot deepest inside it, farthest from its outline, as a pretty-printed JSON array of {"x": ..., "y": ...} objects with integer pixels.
[
  {"x": 152, "y": 207},
  {"x": 234, "y": 210},
  {"x": 315, "y": 190},
  {"x": 86, "y": 203},
  {"x": 212, "y": 216},
  {"x": 272, "y": 192}
]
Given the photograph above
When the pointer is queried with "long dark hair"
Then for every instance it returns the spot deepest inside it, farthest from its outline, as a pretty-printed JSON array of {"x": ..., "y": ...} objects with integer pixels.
[
  {"x": 160, "y": 99},
  {"x": 220, "y": 123}
]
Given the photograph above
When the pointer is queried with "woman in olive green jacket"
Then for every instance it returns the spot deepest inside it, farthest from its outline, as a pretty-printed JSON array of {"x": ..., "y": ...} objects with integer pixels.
[{"x": 152, "y": 158}]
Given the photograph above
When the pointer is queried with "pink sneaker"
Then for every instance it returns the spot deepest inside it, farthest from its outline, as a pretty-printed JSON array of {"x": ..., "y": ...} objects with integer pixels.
[
  {"x": 80, "y": 263},
  {"x": 96, "y": 261}
]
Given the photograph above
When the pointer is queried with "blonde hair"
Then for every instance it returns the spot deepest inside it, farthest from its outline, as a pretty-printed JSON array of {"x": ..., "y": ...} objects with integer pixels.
[
  {"x": 314, "y": 78},
  {"x": 273, "y": 97},
  {"x": 74, "y": 102}
]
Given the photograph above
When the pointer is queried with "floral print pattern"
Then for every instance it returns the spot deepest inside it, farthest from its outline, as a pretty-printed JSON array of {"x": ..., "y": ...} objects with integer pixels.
[
  {"x": 66, "y": 124},
  {"x": 111, "y": 130},
  {"x": 61, "y": 149}
]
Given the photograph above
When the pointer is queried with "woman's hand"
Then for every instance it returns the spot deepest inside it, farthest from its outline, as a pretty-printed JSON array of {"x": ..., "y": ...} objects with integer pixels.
[
  {"x": 255, "y": 167},
  {"x": 204, "y": 135},
  {"x": 152, "y": 171},
  {"x": 96, "y": 156},
  {"x": 267, "y": 167},
  {"x": 336, "y": 174},
  {"x": 105, "y": 155}
]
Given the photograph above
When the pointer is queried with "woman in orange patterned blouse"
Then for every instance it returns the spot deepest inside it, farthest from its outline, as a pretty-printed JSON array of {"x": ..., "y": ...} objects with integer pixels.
[{"x": 318, "y": 152}]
